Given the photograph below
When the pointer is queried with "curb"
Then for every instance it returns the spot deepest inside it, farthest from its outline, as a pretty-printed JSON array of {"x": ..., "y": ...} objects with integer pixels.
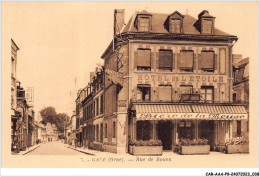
[
  {"x": 26, "y": 152},
  {"x": 80, "y": 151}
]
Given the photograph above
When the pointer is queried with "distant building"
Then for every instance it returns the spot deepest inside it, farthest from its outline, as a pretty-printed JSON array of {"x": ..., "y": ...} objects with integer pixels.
[
  {"x": 241, "y": 94},
  {"x": 51, "y": 132},
  {"x": 30, "y": 95}
]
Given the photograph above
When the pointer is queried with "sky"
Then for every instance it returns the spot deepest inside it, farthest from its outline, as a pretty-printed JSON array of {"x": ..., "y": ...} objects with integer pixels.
[{"x": 61, "y": 42}]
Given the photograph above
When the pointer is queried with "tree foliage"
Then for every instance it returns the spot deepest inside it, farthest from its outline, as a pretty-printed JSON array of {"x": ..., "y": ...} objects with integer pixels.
[{"x": 50, "y": 115}]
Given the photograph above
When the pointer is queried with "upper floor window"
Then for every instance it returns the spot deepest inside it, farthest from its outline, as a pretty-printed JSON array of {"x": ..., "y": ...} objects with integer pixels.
[
  {"x": 165, "y": 92},
  {"x": 114, "y": 130},
  {"x": 144, "y": 24},
  {"x": 143, "y": 92},
  {"x": 207, "y": 25},
  {"x": 207, "y": 93},
  {"x": 207, "y": 61},
  {"x": 143, "y": 59},
  {"x": 105, "y": 130},
  {"x": 97, "y": 107},
  {"x": 101, "y": 104},
  {"x": 165, "y": 60},
  {"x": 175, "y": 26},
  {"x": 186, "y": 60},
  {"x": 185, "y": 92}
]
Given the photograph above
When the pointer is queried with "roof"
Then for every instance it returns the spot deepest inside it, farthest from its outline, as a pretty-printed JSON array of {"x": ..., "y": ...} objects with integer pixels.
[
  {"x": 158, "y": 20},
  {"x": 15, "y": 44},
  {"x": 241, "y": 63}
]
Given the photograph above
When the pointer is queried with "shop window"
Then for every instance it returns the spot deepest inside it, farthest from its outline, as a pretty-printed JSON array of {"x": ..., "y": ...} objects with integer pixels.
[
  {"x": 207, "y": 61},
  {"x": 114, "y": 130},
  {"x": 186, "y": 61},
  {"x": 105, "y": 130},
  {"x": 175, "y": 26},
  {"x": 207, "y": 93},
  {"x": 239, "y": 128},
  {"x": 144, "y": 130},
  {"x": 101, "y": 104},
  {"x": 143, "y": 92},
  {"x": 186, "y": 130},
  {"x": 165, "y": 60},
  {"x": 144, "y": 24},
  {"x": 165, "y": 92},
  {"x": 143, "y": 59}
]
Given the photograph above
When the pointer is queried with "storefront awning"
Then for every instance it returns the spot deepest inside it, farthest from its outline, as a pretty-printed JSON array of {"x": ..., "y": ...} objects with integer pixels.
[{"x": 192, "y": 112}]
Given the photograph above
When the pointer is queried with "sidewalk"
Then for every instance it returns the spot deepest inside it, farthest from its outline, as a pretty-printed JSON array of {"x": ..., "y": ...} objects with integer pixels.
[
  {"x": 29, "y": 149},
  {"x": 85, "y": 150}
]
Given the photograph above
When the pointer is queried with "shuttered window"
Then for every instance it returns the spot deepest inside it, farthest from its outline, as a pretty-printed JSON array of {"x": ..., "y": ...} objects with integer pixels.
[
  {"x": 207, "y": 61},
  {"x": 207, "y": 26},
  {"x": 165, "y": 92},
  {"x": 144, "y": 24},
  {"x": 143, "y": 92},
  {"x": 143, "y": 59},
  {"x": 186, "y": 60},
  {"x": 165, "y": 59},
  {"x": 175, "y": 26},
  {"x": 207, "y": 93}
]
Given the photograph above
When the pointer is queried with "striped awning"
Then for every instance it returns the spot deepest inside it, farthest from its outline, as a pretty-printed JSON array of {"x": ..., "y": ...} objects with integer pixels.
[{"x": 192, "y": 112}]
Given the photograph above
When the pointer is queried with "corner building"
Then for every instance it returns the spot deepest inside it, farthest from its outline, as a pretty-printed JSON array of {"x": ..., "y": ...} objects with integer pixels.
[{"x": 167, "y": 77}]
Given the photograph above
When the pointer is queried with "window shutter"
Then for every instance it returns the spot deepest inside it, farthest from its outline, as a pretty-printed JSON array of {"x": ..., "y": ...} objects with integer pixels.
[
  {"x": 144, "y": 58},
  {"x": 199, "y": 59},
  {"x": 173, "y": 61},
  {"x": 135, "y": 59},
  {"x": 216, "y": 62},
  {"x": 165, "y": 59},
  {"x": 165, "y": 93},
  {"x": 178, "y": 60},
  {"x": 207, "y": 60}
]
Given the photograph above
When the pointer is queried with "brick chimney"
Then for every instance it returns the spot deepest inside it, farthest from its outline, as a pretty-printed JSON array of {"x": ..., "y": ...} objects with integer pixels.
[{"x": 119, "y": 15}]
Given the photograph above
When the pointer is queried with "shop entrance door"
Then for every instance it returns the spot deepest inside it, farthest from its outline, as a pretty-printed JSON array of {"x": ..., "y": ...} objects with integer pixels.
[
  {"x": 207, "y": 131},
  {"x": 165, "y": 134}
]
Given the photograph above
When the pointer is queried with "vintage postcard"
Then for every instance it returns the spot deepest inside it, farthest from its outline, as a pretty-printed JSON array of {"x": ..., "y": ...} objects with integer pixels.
[{"x": 129, "y": 84}]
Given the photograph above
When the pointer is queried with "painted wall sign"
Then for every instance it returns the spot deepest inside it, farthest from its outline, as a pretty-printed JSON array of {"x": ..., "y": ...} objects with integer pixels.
[
  {"x": 202, "y": 116},
  {"x": 115, "y": 77},
  {"x": 181, "y": 78}
]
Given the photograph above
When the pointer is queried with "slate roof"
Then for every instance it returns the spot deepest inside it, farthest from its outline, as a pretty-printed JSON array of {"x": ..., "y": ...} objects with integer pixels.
[{"x": 158, "y": 20}]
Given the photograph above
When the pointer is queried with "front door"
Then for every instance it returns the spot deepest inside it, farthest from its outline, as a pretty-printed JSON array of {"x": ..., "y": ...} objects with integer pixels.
[
  {"x": 207, "y": 131},
  {"x": 165, "y": 134}
]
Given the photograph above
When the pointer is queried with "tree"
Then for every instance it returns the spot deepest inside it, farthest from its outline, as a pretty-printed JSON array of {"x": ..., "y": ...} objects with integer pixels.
[
  {"x": 48, "y": 114},
  {"x": 62, "y": 118}
]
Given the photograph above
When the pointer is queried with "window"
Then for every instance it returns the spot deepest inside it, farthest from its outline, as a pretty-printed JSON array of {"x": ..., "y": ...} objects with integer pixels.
[
  {"x": 97, "y": 134},
  {"x": 114, "y": 130},
  {"x": 101, "y": 133},
  {"x": 239, "y": 128},
  {"x": 94, "y": 127},
  {"x": 94, "y": 109},
  {"x": 234, "y": 97},
  {"x": 165, "y": 60},
  {"x": 105, "y": 130},
  {"x": 207, "y": 26},
  {"x": 175, "y": 26},
  {"x": 207, "y": 61},
  {"x": 144, "y": 24},
  {"x": 143, "y": 92},
  {"x": 143, "y": 59},
  {"x": 144, "y": 130},
  {"x": 185, "y": 92},
  {"x": 101, "y": 104},
  {"x": 186, "y": 60},
  {"x": 207, "y": 93},
  {"x": 97, "y": 102},
  {"x": 165, "y": 92}
]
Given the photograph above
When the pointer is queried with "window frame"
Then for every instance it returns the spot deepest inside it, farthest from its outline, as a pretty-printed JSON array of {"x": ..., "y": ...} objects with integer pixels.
[
  {"x": 186, "y": 69},
  {"x": 170, "y": 93},
  {"x": 174, "y": 30},
  {"x": 144, "y": 68},
  {"x": 165, "y": 68},
  {"x": 211, "y": 70},
  {"x": 144, "y": 26},
  {"x": 206, "y": 88},
  {"x": 143, "y": 86}
]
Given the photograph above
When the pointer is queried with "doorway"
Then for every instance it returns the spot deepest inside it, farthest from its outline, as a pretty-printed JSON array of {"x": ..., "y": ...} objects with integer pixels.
[
  {"x": 207, "y": 131},
  {"x": 164, "y": 130}
]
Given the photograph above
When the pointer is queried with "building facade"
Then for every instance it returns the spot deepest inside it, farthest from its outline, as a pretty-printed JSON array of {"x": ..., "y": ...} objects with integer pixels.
[
  {"x": 241, "y": 94},
  {"x": 169, "y": 77}
]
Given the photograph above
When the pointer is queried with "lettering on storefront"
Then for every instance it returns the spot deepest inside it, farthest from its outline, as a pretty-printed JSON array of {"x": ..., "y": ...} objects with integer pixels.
[
  {"x": 213, "y": 116},
  {"x": 182, "y": 78}
]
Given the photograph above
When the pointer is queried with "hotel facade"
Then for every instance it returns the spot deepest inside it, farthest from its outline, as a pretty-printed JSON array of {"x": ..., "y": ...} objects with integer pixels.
[{"x": 167, "y": 77}]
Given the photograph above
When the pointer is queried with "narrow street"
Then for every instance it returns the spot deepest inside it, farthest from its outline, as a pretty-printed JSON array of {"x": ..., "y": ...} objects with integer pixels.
[{"x": 54, "y": 148}]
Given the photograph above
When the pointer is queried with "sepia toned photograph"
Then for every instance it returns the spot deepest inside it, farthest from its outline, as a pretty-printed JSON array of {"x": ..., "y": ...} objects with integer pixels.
[{"x": 129, "y": 84}]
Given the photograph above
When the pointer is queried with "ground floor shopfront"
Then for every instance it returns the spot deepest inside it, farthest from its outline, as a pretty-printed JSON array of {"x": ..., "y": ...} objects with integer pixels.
[{"x": 172, "y": 122}]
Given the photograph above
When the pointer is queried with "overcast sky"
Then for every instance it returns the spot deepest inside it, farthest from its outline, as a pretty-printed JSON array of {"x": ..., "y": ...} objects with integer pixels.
[{"x": 61, "y": 41}]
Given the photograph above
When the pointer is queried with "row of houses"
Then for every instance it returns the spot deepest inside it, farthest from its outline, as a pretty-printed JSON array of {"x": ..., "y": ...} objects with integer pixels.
[
  {"x": 46, "y": 133},
  {"x": 166, "y": 77},
  {"x": 23, "y": 130}
]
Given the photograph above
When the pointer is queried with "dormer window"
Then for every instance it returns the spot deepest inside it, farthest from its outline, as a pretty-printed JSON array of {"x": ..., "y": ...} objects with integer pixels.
[
  {"x": 174, "y": 22},
  {"x": 207, "y": 25},
  {"x": 144, "y": 24},
  {"x": 175, "y": 26},
  {"x": 143, "y": 21}
]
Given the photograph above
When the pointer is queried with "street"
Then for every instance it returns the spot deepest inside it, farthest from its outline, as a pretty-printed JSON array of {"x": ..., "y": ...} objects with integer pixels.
[{"x": 54, "y": 148}]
